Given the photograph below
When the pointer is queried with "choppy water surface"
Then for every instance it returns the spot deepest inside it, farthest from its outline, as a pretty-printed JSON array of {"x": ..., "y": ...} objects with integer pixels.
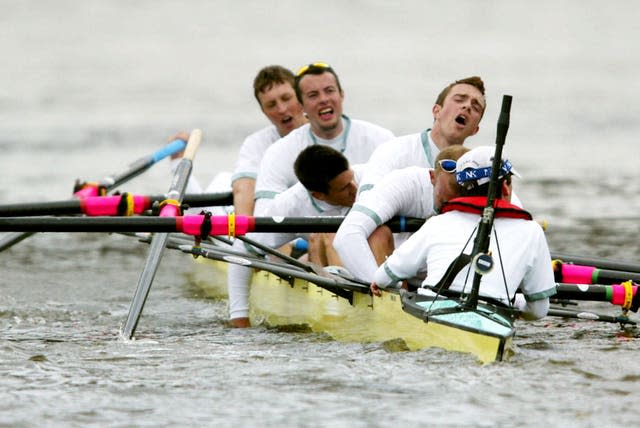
[{"x": 92, "y": 86}]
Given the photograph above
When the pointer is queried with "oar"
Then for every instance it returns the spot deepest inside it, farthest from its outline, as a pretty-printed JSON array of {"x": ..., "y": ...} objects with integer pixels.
[
  {"x": 159, "y": 240},
  {"x": 136, "y": 168},
  {"x": 124, "y": 204},
  {"x": 189, "y": 224},
  {"x": 598, "y": 262},
  {"x": 291, "y": 260},
  {"x": 108, "y": 183},
  {"x": 480, "y": 257},
  {"x": 580, "y": 274},
  {"x": 588, "y": 315},
  {"x": 13, "y": 238},
  {"x": 617, "y": 294},
  {"x": 329, "y": 281}
]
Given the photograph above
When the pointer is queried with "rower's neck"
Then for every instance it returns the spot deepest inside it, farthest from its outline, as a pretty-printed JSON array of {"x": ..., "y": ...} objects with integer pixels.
[
  {"x": 328, "y": 134},
  {"x": 441, "y": 141}
]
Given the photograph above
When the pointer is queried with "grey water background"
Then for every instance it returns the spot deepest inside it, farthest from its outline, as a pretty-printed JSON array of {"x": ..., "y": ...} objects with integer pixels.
[{"x": 88, "y": 87}]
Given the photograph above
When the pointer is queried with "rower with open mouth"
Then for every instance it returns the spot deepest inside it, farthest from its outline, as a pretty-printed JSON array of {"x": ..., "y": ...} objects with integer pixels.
[
  {"x": 273, "y": 89},
  {"x": 320, "y": 93},
  {"x": 363, "y": 242},
  {"x": 457, "y": 112}
]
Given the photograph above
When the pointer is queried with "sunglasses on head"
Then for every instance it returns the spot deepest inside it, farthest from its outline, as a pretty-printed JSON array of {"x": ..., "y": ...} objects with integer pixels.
[
  {"x": 305, "y": 68},
  {"x": 447, "y": 165}
]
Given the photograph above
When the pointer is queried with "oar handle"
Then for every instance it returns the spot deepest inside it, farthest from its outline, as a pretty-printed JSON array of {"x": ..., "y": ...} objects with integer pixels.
[
  {"x": 173, "y": 147},
  {"x": 192, "y": 145}
]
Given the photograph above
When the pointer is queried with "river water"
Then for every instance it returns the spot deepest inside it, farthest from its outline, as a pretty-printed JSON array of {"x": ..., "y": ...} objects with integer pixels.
[{"x": 90, "y": 86}]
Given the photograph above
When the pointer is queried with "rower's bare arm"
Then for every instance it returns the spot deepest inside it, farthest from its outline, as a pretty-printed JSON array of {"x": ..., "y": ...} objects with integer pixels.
[
  {"x": 243, "y": 195},
  {"x": 375, "y": 290},
  {"x": 182, "y": 135}
]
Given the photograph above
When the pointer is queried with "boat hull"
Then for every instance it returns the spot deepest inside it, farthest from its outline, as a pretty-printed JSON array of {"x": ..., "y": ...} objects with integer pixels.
[{"x": 405, "y": 319}]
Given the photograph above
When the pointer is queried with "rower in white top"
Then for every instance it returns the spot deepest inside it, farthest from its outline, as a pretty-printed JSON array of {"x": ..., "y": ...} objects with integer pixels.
[
  {"x": 319, "y": 91},
  {"x": 273, "y": 89},
  {"x": 328, "y": 186},
  {"x": 363, "y": 242},
  {"x": 456, "y": 116},
  {"x": 518, "y": 245}
]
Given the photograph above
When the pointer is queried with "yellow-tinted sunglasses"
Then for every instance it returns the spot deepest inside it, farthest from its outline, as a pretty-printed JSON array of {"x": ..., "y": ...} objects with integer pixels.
[{"x": 305, "y": 68}]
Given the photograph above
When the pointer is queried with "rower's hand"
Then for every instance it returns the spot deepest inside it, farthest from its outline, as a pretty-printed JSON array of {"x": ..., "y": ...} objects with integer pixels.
[
  {"x": 375, "y": 290},
  {"x": 184, "y": 136}
]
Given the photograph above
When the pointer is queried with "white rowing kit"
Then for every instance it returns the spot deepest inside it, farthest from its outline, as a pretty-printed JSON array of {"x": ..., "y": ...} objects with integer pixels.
[
  {"x": 252, "y": 151},
  {"x": 519, "y": 249},
  {"x": 401, "y": 152},
  {"x": 357, "y": 142},
  {"x": 405, "y": 192},
  {"x": 297, "y": 201}
]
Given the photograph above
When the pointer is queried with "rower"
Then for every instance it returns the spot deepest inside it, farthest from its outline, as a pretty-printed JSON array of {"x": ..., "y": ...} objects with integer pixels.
[
  {"x": 327, "y": 187},
  {"x": 456, "y": 116},
  {"x": 519, "y": 247},
  {"x": 363, "y": 242},
  {"x": 318, "y": 89},
  {"x": 273, "y": 88}
]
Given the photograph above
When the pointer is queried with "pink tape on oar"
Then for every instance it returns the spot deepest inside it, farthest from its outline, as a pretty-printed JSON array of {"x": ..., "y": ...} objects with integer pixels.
[
  {"x": 192, "y": 225},
  {"x": 86, "y": 192},
  {"x": 576, "y": 274},
  {"x": 170, "y": 208},
  {"x": 618, "y": 294},
  {"x": 108, "y": 205}
]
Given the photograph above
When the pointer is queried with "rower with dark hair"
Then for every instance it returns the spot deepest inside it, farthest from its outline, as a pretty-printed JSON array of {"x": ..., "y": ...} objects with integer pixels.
[
  {"x": 321, "y": 94},
  {"x": 327, "y": 187},
  {"x": 519, "y": 247}
]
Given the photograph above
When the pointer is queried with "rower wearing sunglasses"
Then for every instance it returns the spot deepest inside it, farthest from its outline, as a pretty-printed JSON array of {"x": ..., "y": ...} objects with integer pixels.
[
  {"x": 363, "y": 242},
  {"x": 456, "y": 116},
  {"x": 319, "y": 91},
  {"x": 518, "y": 244}
]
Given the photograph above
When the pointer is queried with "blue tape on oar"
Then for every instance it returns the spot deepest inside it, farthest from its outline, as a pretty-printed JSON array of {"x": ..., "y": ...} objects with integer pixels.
[{"x": 173, "y": 147}]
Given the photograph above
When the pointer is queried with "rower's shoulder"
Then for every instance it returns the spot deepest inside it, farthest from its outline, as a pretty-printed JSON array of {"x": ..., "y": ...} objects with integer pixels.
[
  {"x": 268, "y": 133},
  {"x": 403, "y": 143},
  {"x": 364, "y": 126},
  {"x": 291, "y": 143},
  {"x": 259, "y": 141}
]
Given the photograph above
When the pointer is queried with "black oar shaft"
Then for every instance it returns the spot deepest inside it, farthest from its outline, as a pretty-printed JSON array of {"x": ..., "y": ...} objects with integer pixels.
[
  {"x": 159, "y": 224},
  {"x": 598, "y": 262},
  {"x": 89, "y": 224},
  {"x": 483, "y": 236},
  {"x": 13, "y": 238},
  {"x": 67, "y": 207},
  {"x": 325, "y": 224},
  {"x": 76, "y": 206},
  {"x": 588, "y": 315},
  {"x": 605, "y": 276},
  {"x": 591, "y": 292}
]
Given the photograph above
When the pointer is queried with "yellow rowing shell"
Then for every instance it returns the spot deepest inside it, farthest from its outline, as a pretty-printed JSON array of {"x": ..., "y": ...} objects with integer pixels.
[{"x": 417, "y": 321}]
